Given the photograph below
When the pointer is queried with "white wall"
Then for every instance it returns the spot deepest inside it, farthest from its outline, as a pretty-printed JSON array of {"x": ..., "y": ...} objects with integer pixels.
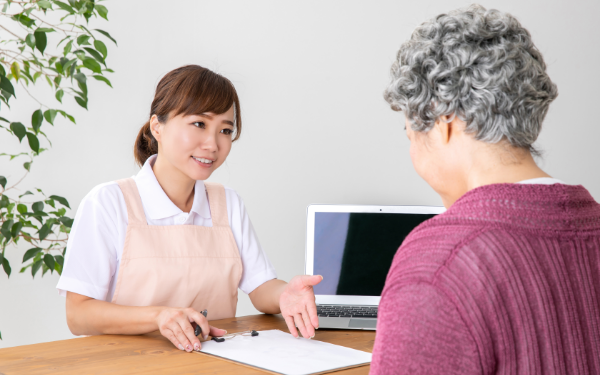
[{"x": 310, "y": 75}]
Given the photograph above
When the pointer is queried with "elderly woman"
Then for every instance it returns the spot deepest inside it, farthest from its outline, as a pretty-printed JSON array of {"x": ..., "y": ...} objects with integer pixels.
[{"x": 507, "y": 280}]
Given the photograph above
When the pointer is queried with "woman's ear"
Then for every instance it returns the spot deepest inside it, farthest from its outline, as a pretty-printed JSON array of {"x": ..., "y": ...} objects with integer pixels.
[
  {"x": 444, "y": 129},
  {"x": 155, "y": 127}
]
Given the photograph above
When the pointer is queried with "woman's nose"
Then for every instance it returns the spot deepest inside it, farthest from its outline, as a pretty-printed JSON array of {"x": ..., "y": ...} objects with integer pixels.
[{"x": 210, "y": 143}]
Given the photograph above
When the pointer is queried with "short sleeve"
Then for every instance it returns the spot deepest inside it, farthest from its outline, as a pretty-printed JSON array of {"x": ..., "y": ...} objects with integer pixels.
[
  {"x": 91, "y": 257},
  {"x": 419, "y": 331},
  {"x": 257, "y": 269}
]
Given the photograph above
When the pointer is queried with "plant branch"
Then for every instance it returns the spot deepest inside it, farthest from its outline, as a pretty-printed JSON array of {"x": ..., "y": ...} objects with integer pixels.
[
  {"x": 15, "y": 35},
  {"x": 18, "y": 182},
  {"x": 32, "y": 97}
]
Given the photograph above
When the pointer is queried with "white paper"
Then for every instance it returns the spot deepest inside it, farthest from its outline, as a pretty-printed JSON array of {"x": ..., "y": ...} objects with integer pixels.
[{"x": 281, "y": 352}]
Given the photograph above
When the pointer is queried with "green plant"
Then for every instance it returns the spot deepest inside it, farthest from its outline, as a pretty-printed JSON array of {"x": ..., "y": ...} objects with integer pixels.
[{"x": 25, "y": 28}]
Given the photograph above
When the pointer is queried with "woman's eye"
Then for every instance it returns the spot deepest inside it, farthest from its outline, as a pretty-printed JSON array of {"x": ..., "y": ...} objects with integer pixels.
[
  {"x": 200, "y": 124},
  {"x": 227, "y": 131}
]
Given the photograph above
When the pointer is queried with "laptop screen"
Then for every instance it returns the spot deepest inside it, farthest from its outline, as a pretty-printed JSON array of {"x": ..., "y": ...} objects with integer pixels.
[{"x": 354, "y": 251}]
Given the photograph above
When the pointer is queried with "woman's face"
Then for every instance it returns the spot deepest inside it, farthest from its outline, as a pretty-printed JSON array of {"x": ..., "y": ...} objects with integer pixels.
[{"x": 196, "y": 145}]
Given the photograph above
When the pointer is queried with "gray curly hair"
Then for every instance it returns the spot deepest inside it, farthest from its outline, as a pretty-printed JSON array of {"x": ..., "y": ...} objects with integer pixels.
[{"x": 480, "y": 65}]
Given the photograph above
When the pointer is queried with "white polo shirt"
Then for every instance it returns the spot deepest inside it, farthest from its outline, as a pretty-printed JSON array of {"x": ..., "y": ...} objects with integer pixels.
[{"x": 97, "y": 237}]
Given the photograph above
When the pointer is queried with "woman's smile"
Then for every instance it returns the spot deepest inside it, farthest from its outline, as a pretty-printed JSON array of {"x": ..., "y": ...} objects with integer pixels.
[{"x": 203, "y": 162}]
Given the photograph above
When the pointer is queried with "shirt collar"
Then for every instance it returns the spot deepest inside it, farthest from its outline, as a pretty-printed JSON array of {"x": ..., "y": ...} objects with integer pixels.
[{"x": 157, "y": 204}]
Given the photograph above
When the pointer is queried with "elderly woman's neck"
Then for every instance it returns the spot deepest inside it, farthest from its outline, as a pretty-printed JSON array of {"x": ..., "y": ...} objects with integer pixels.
[
  {"x": 496, "y": 165},
  {"x": 502, "y": 164}
]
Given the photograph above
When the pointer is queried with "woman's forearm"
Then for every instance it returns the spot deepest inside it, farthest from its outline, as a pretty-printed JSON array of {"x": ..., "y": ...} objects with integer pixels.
[
  {"x": 266, "y": 297},
  {"x": 87, "y": 316}
]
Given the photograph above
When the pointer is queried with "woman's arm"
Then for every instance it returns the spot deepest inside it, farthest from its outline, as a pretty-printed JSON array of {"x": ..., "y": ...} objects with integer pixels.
[
  {"x": 266, "y": 297},
  {"x": 88, "y": 316},
  {"x": 295, "y": 301}
]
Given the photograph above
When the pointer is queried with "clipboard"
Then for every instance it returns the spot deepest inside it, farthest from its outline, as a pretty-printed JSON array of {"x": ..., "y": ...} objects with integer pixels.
[{"x": 278, "y": 352}]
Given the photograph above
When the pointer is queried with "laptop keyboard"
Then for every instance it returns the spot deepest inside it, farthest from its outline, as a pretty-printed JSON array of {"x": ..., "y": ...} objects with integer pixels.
[{"x": 347, "y": 311}]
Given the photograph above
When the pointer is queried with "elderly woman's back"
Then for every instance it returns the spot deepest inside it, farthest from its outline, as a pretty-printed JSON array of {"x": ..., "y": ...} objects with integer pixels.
[{"x": 507, "y": 280}]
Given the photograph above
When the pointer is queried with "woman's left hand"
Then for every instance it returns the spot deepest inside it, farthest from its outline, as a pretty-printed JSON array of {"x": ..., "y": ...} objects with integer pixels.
[{"x": 297, "y": 303}]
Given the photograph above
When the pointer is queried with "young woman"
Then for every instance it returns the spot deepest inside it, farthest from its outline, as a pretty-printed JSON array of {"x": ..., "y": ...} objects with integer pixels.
[{"x": 150, "y": 252}]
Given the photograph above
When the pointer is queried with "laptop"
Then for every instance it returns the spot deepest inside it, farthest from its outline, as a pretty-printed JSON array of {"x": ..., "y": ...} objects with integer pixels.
[{"x": 353, "y": 248}]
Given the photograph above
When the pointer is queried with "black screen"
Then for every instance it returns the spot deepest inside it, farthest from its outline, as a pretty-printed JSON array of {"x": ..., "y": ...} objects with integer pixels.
[{"x": 354, "y": 251}]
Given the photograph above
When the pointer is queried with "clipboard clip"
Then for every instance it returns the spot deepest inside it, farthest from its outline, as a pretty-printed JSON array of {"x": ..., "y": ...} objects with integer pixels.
[{"x": 232, "y": 335}]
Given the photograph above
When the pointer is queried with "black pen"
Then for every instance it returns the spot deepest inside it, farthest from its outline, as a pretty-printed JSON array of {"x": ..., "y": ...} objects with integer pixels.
[{"x": 198, "y": 330}]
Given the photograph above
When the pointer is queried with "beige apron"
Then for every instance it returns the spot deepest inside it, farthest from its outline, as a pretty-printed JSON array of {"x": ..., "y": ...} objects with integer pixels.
[{"x": 179, "y": 265}]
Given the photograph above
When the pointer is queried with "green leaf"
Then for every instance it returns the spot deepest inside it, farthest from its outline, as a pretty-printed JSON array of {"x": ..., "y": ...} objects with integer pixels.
[
  {"x": 69, "y": 64},
  {"x": 82, "y": 102},
  {"x": 102, "y": 11},
  {"x": 103, "y": 79},
  {"x": 40, "y": 40},
  {"x": 6, "y": 85},
  {"x": 44, "y": 4},
  {"x": 25, "y": 193},
  {"x": 34, "y": 142},
  {"x": 30, "y": 40},
  {"x": 28, "y": 22},
  {"x": 3, "y": 182},
  {"x": 31, "y": 253},
  {"x": 101, "y": 47},
  {"x": 66, "y": 115},
  {"x": 6, "y": 227},
  {"x": 92, "y": 65},
  {"x": 106, "y": 35},
  {"x": 15, "y": 69},
  {"x": 83, "y": 39},
  {"x": 95, "y": 54},
  {"x": 22, "y": 208},
  {"x": 60, "y": 200},
  {"x": 49, "y": 260},
  {"x": 36, "y": 120},
  {"x": 80, "y": 77},
  {"x": 44, "y": 231},
  {"x": 67, "y": 49},
  {"x": 36, "y": 76},
  {"x": 58, "y": 266},
  {"x": 59, "y": 95},
  {"x": 38, "y": 207},
  {"x": 50, "y": 202},
  {"x": 50, "y": 115},
  {"x": 57, "y": 80},
  {"x": 64, "y": 6},
  {"x": 6, "y": 266},
  {"x": 16, "y": 229},
  {"x": 35, "y": 267},
  {"x": 84, "y": 90},
  {"x": 4, "y": 202},
  {"x": 27, "y": 165},
  {"x": 66, "y": 221},
  {"x": 18, "y": 129}
]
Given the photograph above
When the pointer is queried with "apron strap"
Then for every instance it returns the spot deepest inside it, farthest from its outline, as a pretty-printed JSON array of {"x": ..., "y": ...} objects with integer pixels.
[
  {"x": 135, "y": 209},
  {"x": 217, "y": 203}
]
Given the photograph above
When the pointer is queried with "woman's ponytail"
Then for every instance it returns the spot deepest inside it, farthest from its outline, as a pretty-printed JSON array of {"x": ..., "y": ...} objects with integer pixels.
[{"x": 145, "y": 145}]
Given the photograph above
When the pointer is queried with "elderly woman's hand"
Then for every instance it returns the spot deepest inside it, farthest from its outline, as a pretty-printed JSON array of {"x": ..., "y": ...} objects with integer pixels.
[{"x": 297, "y": 303}]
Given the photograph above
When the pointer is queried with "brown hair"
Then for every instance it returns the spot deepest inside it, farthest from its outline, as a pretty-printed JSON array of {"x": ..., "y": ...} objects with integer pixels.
[{"x": 190, "y": 90}]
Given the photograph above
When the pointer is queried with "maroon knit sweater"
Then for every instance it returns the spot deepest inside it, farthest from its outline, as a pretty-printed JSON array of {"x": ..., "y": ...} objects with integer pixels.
[{"x": 507, "y": 281}]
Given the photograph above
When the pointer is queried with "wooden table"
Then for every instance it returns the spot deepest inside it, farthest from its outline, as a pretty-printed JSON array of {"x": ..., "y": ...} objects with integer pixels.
[{"x": 154, "y": 354}]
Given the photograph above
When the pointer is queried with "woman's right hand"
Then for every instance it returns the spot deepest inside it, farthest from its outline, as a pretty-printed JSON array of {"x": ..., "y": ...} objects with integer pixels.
[{"x": 176, "y": 325}]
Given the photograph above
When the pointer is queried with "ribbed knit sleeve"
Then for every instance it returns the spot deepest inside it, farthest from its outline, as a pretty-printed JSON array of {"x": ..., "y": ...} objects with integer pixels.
[
  {"x": 507, "y": 281},
  {"x": 426, "y": 333}
]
